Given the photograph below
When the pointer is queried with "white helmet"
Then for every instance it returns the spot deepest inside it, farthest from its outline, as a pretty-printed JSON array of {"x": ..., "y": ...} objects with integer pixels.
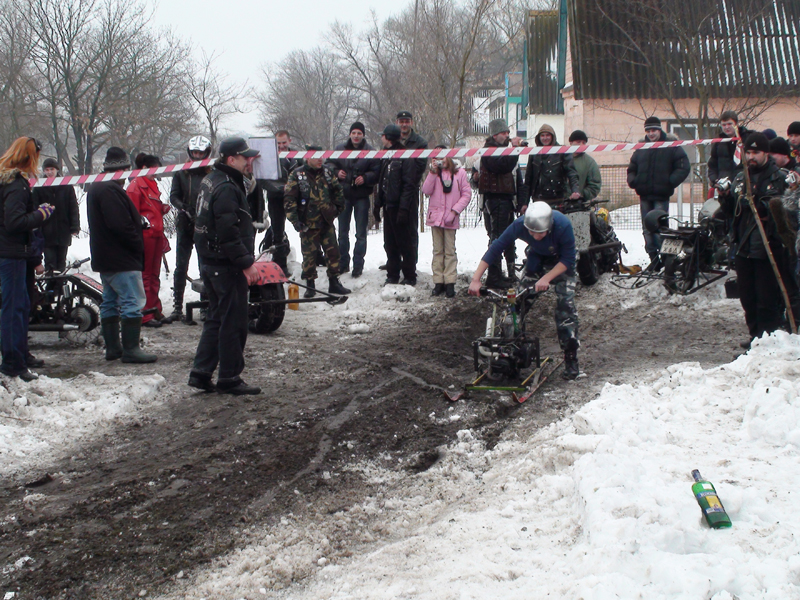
[
  {"x": 539, "y": 217},
  {"x": 199, "y": 143}
]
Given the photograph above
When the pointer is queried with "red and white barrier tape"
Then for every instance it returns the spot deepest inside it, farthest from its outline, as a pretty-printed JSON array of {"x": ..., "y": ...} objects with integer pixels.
[{"x": 427, "y": 153}]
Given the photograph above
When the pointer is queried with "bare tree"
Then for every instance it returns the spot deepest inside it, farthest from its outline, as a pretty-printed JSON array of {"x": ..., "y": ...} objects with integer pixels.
[{"x": 216, "y": 98}]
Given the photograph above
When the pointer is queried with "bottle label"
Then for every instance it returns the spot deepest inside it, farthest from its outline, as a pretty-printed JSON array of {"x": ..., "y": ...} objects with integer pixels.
[{"x": 714, "y": 505}]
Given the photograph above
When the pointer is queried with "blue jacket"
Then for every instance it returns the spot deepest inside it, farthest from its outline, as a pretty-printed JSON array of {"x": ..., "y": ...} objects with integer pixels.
[{"x": 558, "y": 246}]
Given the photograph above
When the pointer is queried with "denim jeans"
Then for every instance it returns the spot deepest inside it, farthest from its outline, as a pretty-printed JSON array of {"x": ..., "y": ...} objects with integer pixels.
[
  {"x": 361, "y": 210},
  {"x": 123, "y": 295},
  {"x": 14, "y": 316},
  {"x": 652, "y": 241}
]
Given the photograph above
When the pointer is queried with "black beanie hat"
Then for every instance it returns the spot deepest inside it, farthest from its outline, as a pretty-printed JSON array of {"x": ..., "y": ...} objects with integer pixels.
[
  {"x": 794, "y": 128},
  {"x": 757, "y": 141},
  {"x": 359, "y": 126},
  {"x": 652, "y": 123},
  {"x": 780, "y": 146},
  {"x": 116, "y": 159},
  {"x": 770, "y": 133},
  {"x": 578, "y": 135},
  {"x": 50, "y": 163}
]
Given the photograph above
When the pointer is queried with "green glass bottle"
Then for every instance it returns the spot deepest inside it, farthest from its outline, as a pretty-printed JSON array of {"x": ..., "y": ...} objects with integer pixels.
[{"x": 709, "y": 502}]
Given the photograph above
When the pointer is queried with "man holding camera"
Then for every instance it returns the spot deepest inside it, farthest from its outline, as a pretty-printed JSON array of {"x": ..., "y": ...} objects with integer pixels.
[{"x": 358, "y": 177}]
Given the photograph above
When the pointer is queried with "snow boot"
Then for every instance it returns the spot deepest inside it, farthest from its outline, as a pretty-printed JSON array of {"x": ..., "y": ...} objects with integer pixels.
[
  {"x": 495, "y": 279},
  {"x": 450, "y": 290},
  {"x": 110, "y": 330},
  {"x": 336, "y": 287},
  {"x": 438, "y": 289},
  {"x": 311, "y": 289},
  {"x": 131, "y": 352},
  {"x": 571, "y": 368}
]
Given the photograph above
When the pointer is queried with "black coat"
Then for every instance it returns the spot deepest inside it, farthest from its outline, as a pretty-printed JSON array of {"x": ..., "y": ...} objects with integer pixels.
[
  {"x": 368, "y": 168},
  {"x": 415, "y": 142},
  {"x": 224, "y": 233},
  {"x": 656, "y": 172},
  {"x": 18, "y": 216},
  {"x": 398, "y": 186},
  {"x": 721, "y": 163},
  {"x": 115, "y": 229},
  {"x": 183, "y": 195},
  {"x": 65, "y": 221},
  {"x": 551, "y": 176},
  {"x": 497, "y": 172}
]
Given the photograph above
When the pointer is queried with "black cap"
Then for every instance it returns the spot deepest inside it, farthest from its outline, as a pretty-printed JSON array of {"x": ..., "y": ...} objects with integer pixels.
[
  {"x": 578, "y": 135},
  {"x": 358, "y": 125},
  {"x": 234, "y": 146},
  {"x": 404, "y": 114},
  {"x": 116, "y": 159},
  {"x": 779, "y": 145},
  {"x": 50, "y": 163},
  {"x": 794, "y": 128},
  {"x": 392, "y": 132},
  {"x": 757, "y": 141},
  {"x": 314, "y": 147},
  {"x": 770, "y": 133},
  {"x": 652, "y": 123}
]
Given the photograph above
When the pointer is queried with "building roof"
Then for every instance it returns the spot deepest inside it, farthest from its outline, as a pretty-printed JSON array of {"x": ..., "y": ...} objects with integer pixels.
[{"x": 665, "y": 48}]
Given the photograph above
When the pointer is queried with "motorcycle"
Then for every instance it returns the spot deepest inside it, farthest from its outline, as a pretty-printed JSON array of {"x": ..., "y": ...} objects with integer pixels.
[
  {"x": 69, "y": 303},
  {"x": 507, "y": 350},
  {"x": 599, "y": 249},
  {"x": 693, "y": 257}
]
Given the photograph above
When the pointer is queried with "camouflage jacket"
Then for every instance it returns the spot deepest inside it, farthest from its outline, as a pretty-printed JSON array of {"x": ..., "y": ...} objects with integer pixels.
[{"x": 313, "y": 197}]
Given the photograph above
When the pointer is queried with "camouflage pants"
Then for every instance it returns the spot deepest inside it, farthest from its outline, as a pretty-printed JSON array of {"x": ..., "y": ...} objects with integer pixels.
[
  {"x": 566, "y": 314},
  {"x": 310, "y": 242}
]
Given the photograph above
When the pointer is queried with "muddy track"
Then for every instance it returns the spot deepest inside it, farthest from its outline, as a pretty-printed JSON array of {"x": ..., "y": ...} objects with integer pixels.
[{"x": 177, "y": 488}]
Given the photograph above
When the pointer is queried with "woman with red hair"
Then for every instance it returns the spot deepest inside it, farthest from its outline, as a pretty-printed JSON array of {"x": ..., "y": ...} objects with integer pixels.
[
  {"x": 19, "y": 216},
  {"x": 146, "y": 197}
]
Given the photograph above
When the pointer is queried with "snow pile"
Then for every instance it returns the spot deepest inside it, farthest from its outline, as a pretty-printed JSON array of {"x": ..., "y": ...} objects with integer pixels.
[
  {"x": 595, "y": 506},
  {"x": 47, "y": 416}
]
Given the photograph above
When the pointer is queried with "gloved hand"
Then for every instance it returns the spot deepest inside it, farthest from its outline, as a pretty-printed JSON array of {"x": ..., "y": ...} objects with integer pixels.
[
  {"x": 46, "y": 210},
  {"x": 402, "y": 217},
  {"x": 376, "y": 213}
]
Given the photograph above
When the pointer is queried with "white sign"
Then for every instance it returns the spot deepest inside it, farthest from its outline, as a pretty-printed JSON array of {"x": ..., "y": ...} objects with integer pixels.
[{"x": 267, "y": 165}]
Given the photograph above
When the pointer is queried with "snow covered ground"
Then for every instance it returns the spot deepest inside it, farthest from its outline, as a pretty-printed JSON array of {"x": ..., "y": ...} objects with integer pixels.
[{"x": 596, "y": 506}]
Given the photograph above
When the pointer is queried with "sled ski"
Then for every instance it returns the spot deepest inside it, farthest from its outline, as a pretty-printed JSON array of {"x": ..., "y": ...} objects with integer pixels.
[{"x": 520, "y": 393}]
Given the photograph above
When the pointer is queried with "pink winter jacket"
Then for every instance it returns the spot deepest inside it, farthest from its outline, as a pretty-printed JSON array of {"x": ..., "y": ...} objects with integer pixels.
[{"x": 441, "y": 204}]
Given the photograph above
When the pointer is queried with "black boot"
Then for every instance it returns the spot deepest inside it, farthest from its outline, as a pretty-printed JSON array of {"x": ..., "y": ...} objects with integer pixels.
[
  {"x": 571, "y": 368},
  {"x": 336, "y": 287},
  {"x": 438, "y": 289},
  {"x": 512, "y": 272},
  {"x": 131, "y": 352},
  {"x": 450, "y": 290},
  {"x": 110, "y": 329},
  {"x": 495, "y": 279},
  {"x": 311, "y": 289}
]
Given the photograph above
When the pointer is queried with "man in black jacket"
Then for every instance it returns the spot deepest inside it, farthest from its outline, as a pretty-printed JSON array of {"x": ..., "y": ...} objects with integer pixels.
[
  {"x": 66, "y": 223},
  {"x": 225, "y": 238},
  {"x": 497, "y": 183},
  {"x": 759, "y": 291},
  {"x": 723, "y": 161},
  {"x": 398, "y": 195},
  {"x": 411, "y": 140},
  {"x": 551, "y": 178},
  {"x": 117, "y": 247},
  {"x": 358, "y": 177},
  {"x": 655, "y": 173},
  {"x": 183, "y": 196},
  {"x": 275, "y": 198}
]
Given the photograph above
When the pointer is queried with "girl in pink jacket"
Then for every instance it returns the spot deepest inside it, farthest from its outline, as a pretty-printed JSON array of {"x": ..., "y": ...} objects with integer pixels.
[{"x": 450, "y": 193}]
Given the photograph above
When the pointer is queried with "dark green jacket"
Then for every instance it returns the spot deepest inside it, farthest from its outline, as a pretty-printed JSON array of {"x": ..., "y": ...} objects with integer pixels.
[{"x": 589, "y": 180}]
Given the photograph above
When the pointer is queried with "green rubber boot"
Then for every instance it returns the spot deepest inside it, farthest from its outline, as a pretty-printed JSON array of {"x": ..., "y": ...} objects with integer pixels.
[
  {"x": 110, "y": 330},
  {"x": 131, "y": 352}
]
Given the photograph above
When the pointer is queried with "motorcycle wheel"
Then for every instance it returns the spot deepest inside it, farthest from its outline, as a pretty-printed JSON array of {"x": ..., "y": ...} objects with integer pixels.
[
  {"x": 266, "y": 319},
  {"x": 679, "y": 275},
  {"x": 86, "y": 315},
  {"x": 588, "y": 269}
]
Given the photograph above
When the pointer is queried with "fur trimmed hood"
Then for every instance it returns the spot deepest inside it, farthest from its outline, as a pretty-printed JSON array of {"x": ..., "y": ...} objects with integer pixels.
[{"x": 9, "y": 175}]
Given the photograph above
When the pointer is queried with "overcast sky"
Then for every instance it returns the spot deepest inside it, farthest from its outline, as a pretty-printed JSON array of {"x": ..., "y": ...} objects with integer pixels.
[{"x": 248, "y": 33}]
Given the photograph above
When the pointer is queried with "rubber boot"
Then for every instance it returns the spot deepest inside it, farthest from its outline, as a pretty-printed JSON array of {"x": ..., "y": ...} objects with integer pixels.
[
  {"x": 311, "y": 290},
  {"x": 571, "y": 368},
  {"x": 131, "y": 352},
  {"x": 495, "y": 279},
  {"x": 110, "y": 330},
  {"x": 336, "y": 287}
]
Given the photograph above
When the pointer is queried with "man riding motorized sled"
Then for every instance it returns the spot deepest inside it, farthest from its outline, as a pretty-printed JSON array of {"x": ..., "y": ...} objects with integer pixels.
[{"x": 550, "y": 261}]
